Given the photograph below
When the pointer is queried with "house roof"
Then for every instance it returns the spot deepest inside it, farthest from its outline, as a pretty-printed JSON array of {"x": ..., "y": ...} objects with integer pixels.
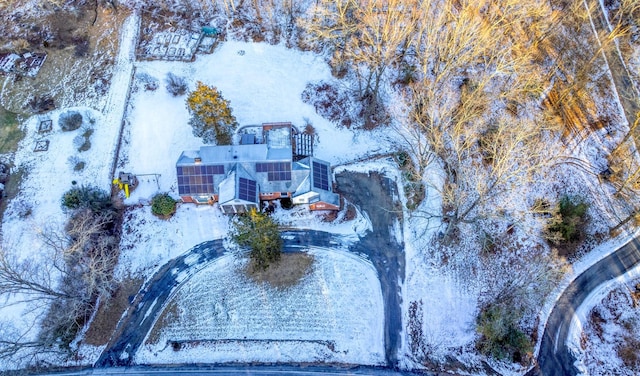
[
  {"x": 238, "y": 187},
  {"x": 268, "y": 167},
  {"x": 234, "y": 154}
]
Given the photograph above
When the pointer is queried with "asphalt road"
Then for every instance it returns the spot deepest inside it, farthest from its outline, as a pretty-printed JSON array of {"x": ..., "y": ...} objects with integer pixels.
[
  {"x": 554, "y": 357},
  {"x": 375, "y": 194},
  {"x": 149, "y": 301},
  {"x": 235, "y": 370}
]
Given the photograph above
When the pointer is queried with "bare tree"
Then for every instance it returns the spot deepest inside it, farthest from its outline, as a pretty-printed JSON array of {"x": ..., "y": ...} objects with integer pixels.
[
  {"x": 468, "y": 104},
  {"x": 78, "y": 270},
  {"x": 367, "y": 36},
  {"x": 30, "y": 278}
]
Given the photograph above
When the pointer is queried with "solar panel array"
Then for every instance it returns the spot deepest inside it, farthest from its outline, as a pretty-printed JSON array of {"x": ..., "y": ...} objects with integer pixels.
[
  {"x": 276, "y": 171},
  {"x": 197, "y": 179},
  {"x": 320, "y": 176},
  {"x": 247, "y": 190}
]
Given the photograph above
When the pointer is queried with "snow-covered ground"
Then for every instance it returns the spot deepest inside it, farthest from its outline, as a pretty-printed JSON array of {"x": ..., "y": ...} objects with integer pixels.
[
  {"x": 596, "y": 349},
  {"x": 36, "y": 210},
  {"x": 335, "y": 314},
  {"x": 263, "y": 83}
]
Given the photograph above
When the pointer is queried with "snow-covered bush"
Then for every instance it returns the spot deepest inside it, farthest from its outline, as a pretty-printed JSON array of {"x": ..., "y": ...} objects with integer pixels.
[
  {"x": 88, "y": 197},
  {"x": 70, "y": 121},
  {"x": 567, "y": 225},
  {"x": 149, "y": 82},
  {"x": 329, "y": 102},
  {"x": 176, "y": 85},
  {"x": 501, "y": 337},
  {"x": 75, "y": 162}
]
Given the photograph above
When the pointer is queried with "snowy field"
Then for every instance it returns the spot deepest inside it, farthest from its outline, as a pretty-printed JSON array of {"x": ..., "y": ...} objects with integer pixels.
[
  {"x": 337, "y": 311},
  {"x": 335, "y": 314},
  {"x": 263, "y": 83}
]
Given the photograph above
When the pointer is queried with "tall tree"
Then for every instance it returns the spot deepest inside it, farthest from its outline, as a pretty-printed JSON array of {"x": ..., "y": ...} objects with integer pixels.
[
  {"x": 466, "y": 103},
  {"x": 261, "y": 234},
  {"x": 211, "y": 115}
]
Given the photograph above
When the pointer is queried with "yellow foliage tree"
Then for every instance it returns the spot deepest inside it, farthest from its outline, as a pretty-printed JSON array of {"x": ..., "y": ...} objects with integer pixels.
[{"x": 211, "y": 116}]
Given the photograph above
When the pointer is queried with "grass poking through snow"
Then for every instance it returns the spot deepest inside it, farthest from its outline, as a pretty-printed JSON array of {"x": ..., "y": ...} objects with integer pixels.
[{"x": 286, "y": 272}]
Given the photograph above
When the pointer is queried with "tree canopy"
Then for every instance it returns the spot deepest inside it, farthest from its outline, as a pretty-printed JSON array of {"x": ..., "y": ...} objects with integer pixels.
[
  {"x": 211, "y": 115},
  {"x": 261, "y": 234}
]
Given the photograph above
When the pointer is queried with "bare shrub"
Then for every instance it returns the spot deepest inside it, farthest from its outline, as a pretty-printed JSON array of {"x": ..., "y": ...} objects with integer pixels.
[
  {"x": 70, "y": 121},
  {"x": 329, "y": 102},
  {"x": 148, "y": 82},
  {"x": 176, "y": 85},
  {"x": 40, "y": 104}
]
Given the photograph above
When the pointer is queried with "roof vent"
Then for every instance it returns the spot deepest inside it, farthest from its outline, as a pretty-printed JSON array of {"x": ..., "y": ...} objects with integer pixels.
[{"x": 197, "y": 160}]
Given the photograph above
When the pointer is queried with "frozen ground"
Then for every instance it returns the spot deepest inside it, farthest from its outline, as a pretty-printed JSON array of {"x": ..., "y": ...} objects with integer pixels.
[
  {"x": 335, "y": 314},
  {"x": 263, "y": 84},
  {"x": 595, "y": 342},
  {"x": 36, "y": 210}
]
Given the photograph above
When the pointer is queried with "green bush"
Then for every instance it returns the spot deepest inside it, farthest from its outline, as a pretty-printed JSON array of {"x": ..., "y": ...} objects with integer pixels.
[
  {"x": 500, "y": 336},
  {"x": 163, "y": 205},
  {"x": 567, "y": 225},
  {"x": 88, "y": 197},
  {"x": 261, "y": 234}
]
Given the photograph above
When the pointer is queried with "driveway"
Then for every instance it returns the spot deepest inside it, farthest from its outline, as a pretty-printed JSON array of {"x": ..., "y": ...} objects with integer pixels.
[
  {"x": 372, "y": 193},
  {"x": 149, "y": 301}
]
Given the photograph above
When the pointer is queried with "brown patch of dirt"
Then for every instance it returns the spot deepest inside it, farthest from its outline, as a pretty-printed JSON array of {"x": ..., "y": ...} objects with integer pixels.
[
  {"x": 168, "y": 315},
  {"x": 286, "y": 272},
  {"x": 350, "y": 214},
  {"x": 597, "y": 322},
  {"x": 110, "y": 311}
]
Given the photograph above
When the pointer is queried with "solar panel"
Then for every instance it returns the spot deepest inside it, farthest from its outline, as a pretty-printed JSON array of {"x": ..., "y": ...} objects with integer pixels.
[
  {"x": 320, "y": 176},
  {"x": 276, "y": 171},
  {"x": 197, "y": 179},
  {"x": 247, "y": 190}
]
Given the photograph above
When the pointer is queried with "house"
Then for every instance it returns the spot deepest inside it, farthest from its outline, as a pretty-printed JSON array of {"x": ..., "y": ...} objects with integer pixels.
[{"x": 262, "y": 168}]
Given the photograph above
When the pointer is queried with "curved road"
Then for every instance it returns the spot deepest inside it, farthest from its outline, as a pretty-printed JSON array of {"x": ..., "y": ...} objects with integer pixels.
[
  {"x": 554, "y": 357},
  {"x": 376, "y": 195}
]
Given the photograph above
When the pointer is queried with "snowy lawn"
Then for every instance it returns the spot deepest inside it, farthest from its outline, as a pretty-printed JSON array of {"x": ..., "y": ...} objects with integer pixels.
[
  {"x": 263, "y": 83},
  {"x": 334, "y": 314}
]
